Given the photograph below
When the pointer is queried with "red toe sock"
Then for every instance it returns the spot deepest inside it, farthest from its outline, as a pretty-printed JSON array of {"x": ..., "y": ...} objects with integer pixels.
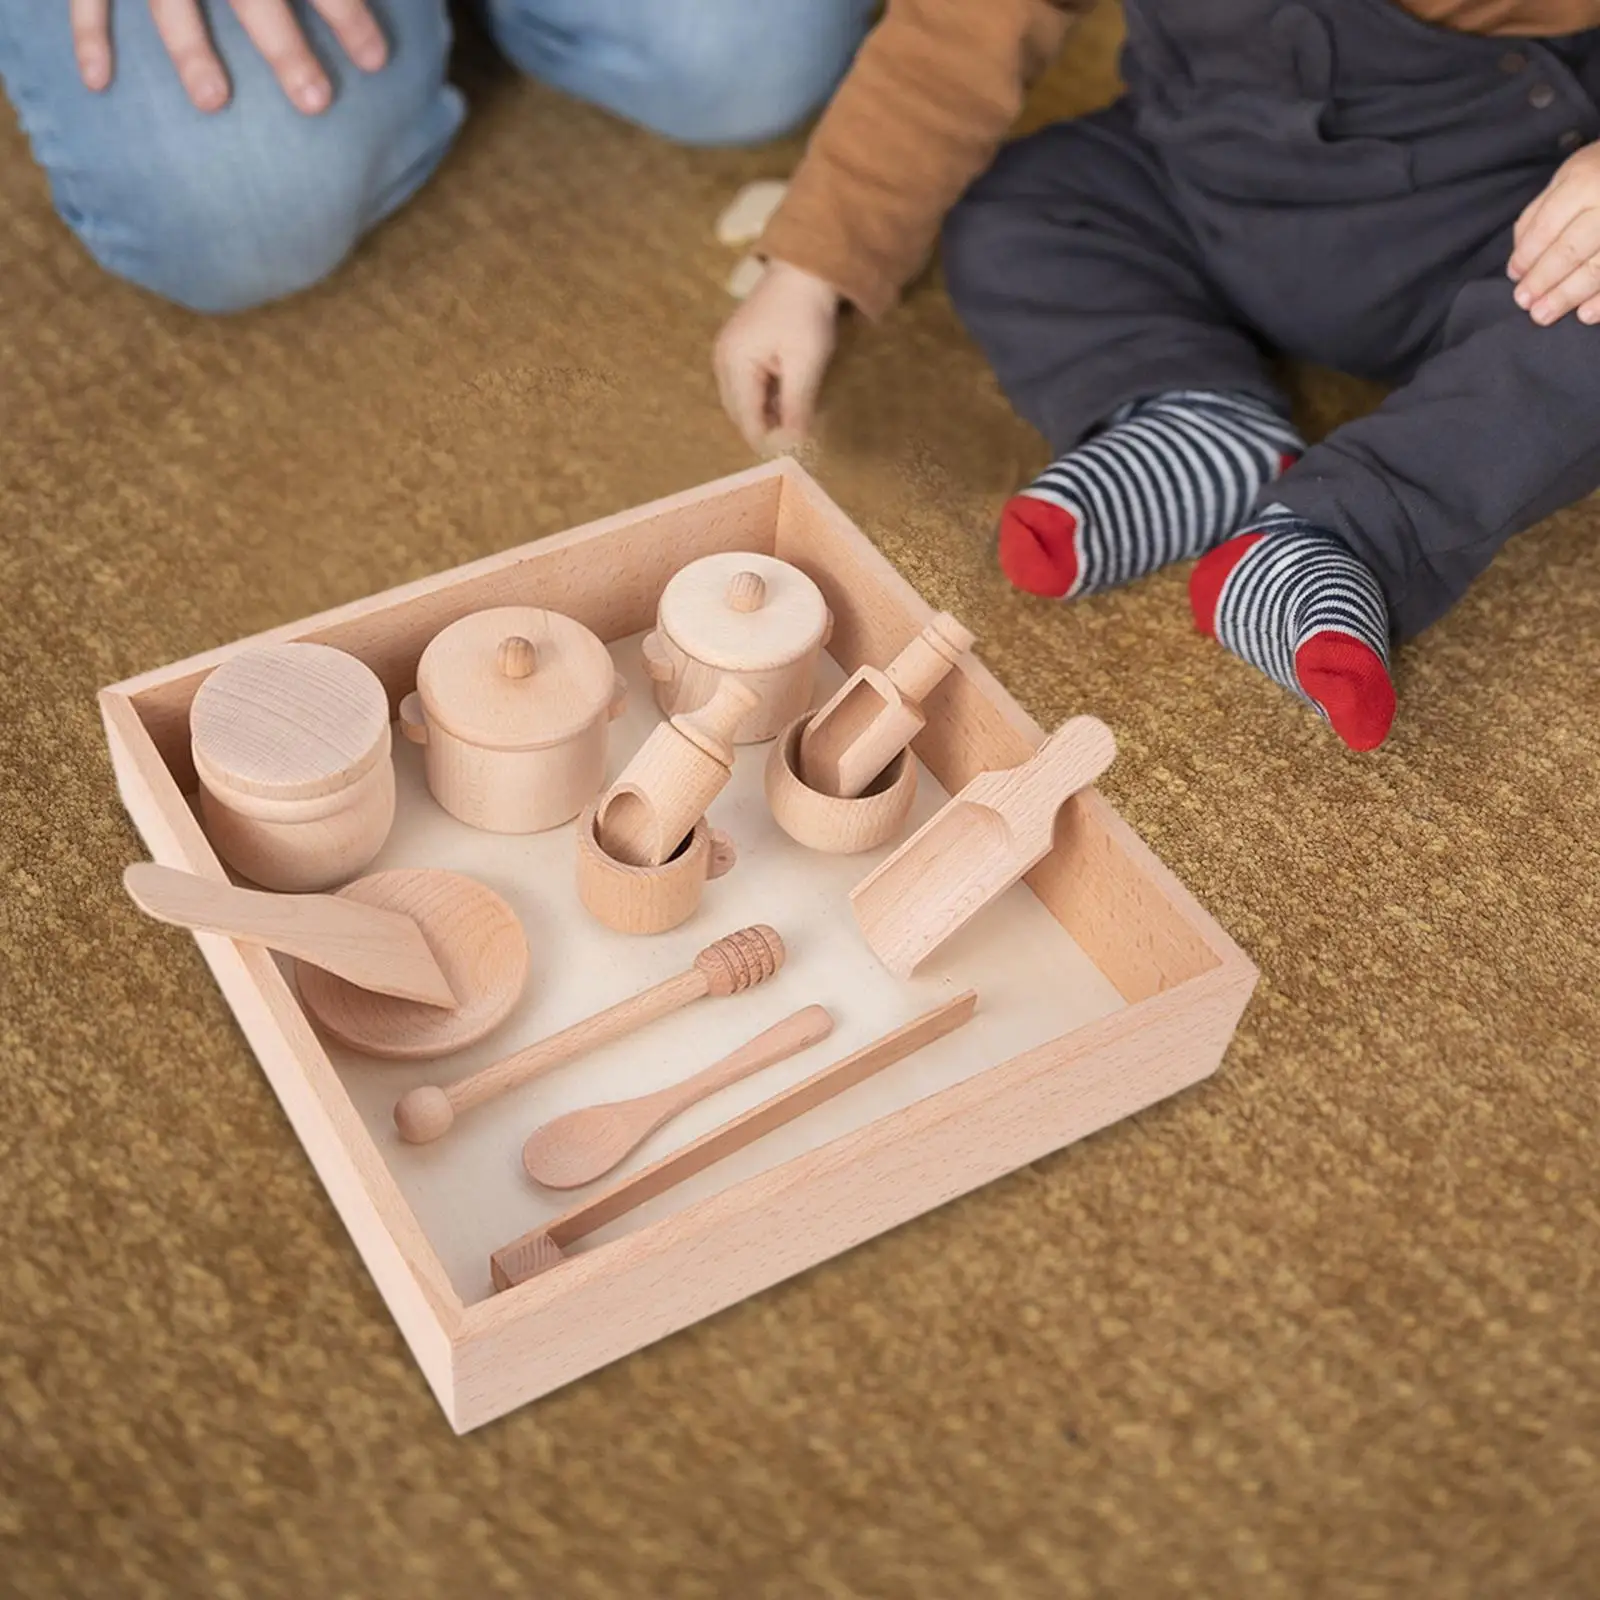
[
  {"x": 1038, "y": 546},
  {"x": 1209, "y": 575},
  {"x": 1350, "y": 682}
]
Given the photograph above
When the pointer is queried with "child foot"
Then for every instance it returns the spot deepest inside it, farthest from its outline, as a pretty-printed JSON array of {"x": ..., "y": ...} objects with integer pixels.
[
  {"x": 1167, "y": 478},
  {"x": 1293, "y": 601}
]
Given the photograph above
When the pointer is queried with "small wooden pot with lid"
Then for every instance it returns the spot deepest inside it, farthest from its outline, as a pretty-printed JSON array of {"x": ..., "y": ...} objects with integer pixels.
[
  {"x": 292, "y": 747},
  {"x": 742, "y": 615},
  {"x": 512, "y": 707}
]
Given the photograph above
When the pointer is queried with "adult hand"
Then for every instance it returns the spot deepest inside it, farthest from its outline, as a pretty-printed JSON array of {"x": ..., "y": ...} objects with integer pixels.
[
  {"x": 271, "y": 26},
  {"x": 1556, "y": 262},
  {"x": 772, "y": 353}
]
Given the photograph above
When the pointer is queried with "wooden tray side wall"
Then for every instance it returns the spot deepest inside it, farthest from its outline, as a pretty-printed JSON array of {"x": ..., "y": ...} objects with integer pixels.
[{"x": 619, "y": 1297}]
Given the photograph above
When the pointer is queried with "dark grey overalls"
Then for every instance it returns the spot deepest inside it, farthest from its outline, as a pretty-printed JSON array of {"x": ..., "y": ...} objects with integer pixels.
[{"x": 1335, "y": 180}]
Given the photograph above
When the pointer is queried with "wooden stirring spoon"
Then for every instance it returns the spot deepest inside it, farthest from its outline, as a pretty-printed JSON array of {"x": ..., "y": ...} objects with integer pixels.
[
  {"x": 374, "y": 949},
  {"x": 585, "y": 1145}
]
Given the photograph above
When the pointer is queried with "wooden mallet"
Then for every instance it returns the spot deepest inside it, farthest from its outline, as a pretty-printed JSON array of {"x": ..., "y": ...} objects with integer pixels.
[{"x": 736, "y": 962}]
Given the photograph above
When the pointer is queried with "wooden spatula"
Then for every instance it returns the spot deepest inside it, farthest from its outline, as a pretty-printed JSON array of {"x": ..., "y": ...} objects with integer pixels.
[
  {"x": 378, "y": 950},
  {"x": 997, "y": 829},
  {"x": 585, "y": 1145}
]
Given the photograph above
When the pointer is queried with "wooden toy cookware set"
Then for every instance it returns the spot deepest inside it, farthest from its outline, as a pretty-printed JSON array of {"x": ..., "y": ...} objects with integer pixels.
[{"x": 513, "y": 707}]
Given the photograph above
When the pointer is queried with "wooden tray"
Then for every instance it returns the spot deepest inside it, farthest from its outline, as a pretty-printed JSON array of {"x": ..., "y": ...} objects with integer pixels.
[{"x": 1143, "y": 993}]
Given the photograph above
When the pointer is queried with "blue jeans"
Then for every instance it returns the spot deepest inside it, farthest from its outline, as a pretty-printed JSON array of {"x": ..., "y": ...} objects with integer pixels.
[{"x": 226, "y": 211}]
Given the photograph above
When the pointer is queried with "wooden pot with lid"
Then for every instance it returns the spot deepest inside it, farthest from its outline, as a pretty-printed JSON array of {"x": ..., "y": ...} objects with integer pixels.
[
  {"x": 292, "y": 748},
  {"x": 741, "y": 615},
  {"x": 512, "y": 707}
]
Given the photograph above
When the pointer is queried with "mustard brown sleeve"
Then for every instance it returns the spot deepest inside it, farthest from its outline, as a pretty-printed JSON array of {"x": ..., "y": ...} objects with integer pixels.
[{"x": 933, "y": 92}]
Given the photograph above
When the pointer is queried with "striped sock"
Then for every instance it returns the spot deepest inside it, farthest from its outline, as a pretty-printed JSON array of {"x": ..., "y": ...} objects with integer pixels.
[
  {"x": 1293, "y": 601},
  {"x": 1166, "y": 478}
]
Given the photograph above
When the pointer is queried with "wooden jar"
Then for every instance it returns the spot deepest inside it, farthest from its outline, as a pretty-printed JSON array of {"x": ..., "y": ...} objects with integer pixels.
[
  {"x": 648, "y": 899},
  {"x": 823, "y": 821},
  {"x": 512, "y": 707},
  {"x": 292, "y": 747},
  {"x": 741, "y": 615}
]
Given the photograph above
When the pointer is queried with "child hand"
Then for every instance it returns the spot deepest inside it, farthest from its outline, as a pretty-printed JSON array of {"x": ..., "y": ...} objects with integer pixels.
[
  {"x": 1556, "y": 262},
  {"x": 772, "y": 353}
]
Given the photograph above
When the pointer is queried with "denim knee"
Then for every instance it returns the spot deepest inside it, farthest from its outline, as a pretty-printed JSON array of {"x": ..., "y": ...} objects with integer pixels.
[
  {"x": 226, "y": 211},
  {"x": 706, "y": 72}
]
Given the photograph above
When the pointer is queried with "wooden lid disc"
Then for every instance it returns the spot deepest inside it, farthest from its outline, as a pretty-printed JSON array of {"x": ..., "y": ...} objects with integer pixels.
[
  {"x": 515, "y": 678},
  {"x": 739, "y": 611},
  {"x": 289, "y": 722}
]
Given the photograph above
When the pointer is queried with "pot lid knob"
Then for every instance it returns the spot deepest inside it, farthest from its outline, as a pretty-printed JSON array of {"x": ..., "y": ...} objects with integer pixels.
[
  {"x": 747, "y": 591},
  {"x": 516, "y": 656}
]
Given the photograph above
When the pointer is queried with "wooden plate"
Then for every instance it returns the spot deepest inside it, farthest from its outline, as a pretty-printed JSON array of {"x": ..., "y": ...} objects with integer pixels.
[{"x": 475, "y": 937}]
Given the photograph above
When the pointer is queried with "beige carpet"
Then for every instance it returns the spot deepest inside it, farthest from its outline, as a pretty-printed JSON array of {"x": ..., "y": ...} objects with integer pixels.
[{"x": 1326, "y": 1326}]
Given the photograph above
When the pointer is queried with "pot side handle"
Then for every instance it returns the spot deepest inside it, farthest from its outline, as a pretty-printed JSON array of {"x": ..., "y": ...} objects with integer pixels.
[
  {"x": 619, "y": 698},
  {"x": 413, "y": 720},
  {"x": 657, "y": 663},
  {"x": 723, "y": 854}
]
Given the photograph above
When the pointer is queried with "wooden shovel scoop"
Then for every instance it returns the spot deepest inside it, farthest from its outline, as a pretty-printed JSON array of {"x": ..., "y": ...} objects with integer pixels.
[
  {"x": 997, "y": 829},
  {"x": 382, "y": 951}
]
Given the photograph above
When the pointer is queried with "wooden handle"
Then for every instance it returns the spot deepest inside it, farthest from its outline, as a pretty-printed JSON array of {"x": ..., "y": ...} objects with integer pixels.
[
  {"x": 535, "y": 1252},
  {"x": 736, "y": 962},
  {"x": 924, "y": 663},
  {"x": 619, "y": 698},
  {"x": 795, "y": 1033},
  {"x": 657, "y": 663},
  {"x": 747, "y": 591},
  {"x": 714, "y": 724},
  {"x": 516, "y": 657}
]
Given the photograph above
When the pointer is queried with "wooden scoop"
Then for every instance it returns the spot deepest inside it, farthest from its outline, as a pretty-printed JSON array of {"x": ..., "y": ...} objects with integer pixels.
[
  {"x": 585, "y": 1145},
  {"x": 382, "y": 951},
  {"x": 997, "y": 829},
  {"x": 876, "y": 714}
]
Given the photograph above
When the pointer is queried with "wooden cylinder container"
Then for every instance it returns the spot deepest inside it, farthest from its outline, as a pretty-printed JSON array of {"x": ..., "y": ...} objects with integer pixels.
[
  {"x": 292, "y": 747},
  {"x": 742, "y": 615},
  {"x": 512, "y": 707},
  {"x": 648, "y": 899},
  {"x": 823, "y": 821}
]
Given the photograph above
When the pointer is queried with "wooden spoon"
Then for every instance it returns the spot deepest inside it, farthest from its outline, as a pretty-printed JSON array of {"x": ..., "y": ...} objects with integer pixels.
[
  {"x": 585, "y": 1145},
  {"x": 383, "y": 951}
]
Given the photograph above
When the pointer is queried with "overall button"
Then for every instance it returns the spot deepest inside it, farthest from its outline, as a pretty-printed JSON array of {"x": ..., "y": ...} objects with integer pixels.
[
  {"x": 1513, "y": 62},
  {"x": 1571, "y": 140},
  {"x": 1541, "y": 97}
]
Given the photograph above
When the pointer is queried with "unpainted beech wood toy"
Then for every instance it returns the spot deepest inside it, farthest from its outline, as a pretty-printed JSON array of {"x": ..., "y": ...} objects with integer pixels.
[
  {"x": 736, "y": 962},
  {"x": 291, "y": 745},
  {"x": 633, "y": 899},
  {"x": 476, "y": 939},
  {"x": 543, "y": 1248},
  {"x": 875, "y": 715},
  {"x": 741, "y": 615},
  {"x": 679, "y": 770},
  {"x": 512, "y": 706},
  {"x": 383, "y": 951},
  {"x": 825, "y": 822},
  {"x": 997, "y": 829},
  {"x": 585, "y": 1145}
]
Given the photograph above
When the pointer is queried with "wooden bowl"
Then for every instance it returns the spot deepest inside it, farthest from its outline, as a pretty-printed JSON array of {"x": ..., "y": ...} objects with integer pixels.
[
  {"x": 477, "y": 941},
  {"x": 824, "y": 822}
]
